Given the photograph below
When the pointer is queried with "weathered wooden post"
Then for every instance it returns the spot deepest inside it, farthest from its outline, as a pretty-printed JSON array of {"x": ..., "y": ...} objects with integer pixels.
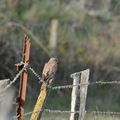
[
  {"x": 23, "y": 79},
  {"x": 74, "y": 96},
  {"x": 40, "y": 102},
  {"x": 79, "y": 94},
  {"x": 83, "y": 92}
]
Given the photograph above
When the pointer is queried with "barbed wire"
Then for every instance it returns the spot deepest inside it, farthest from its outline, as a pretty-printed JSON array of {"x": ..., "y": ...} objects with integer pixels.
[
  {"x": 48, "y": 111},
  {"x": 69, "y": 112},
  {"x": 107, "y": 82},
  {"x": 66, "y": 86},
  {"x": 83, "y": 84},
  {"x": 105, "y": 113},
  {"x": 35, "y": 73},
  {"x": 15, "y": 78}
]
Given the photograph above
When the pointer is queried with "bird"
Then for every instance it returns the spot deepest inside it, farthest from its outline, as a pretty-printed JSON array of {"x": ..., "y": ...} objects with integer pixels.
[{"x": 50, "y": 69}]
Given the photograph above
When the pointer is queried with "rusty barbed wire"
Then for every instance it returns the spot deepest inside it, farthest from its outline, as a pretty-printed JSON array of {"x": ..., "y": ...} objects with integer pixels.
[{"x": 15, "y": 78}]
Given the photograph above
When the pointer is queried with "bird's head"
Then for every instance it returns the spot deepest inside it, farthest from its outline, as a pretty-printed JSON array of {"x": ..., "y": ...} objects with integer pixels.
[{"x": 54, "y": 59}]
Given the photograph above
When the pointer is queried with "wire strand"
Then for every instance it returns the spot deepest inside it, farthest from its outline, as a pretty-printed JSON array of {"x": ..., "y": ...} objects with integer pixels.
[{"x": 15, "y": 79}]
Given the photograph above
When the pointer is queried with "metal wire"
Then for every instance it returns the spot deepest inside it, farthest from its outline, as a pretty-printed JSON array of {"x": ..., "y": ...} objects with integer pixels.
[
  {"x": 69, "y": 112},
  {"x": 15, "y": 78},
  {"x": 48, "y": 111},
  {"x": 105, "y": 113},
  {"x": 35, "y": 73},
  {"x": 67, "y": 86},
  {"x": 107, "y": 83},
  {"x": 82, "y": 84},
  {"x": 59, "y": 111}
]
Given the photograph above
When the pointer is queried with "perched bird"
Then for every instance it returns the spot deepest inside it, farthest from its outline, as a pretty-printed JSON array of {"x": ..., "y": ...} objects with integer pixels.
[{"x": 50, "y": 69}]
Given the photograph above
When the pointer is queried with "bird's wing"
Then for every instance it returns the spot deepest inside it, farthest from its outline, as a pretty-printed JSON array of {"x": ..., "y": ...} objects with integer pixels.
[
  {"x": 46, "y": 69},
  {"x": 49, "y": 70},
  {"x": 53, "y": 69}
]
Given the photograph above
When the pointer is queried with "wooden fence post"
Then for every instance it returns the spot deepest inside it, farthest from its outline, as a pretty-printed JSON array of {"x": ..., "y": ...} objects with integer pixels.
[
  {"x": 74, "y": 96},
  {"x": 83, "y": 92},
  {"x": 23, "y": 79},
  {"x": 79, "y": 94},
  {"x": 40, "y": 102}
]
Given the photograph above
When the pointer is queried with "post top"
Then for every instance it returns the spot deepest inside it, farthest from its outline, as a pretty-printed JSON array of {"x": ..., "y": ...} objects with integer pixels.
[
  {"x": 78, "y": 73},
  {"x": 26, "y": 38},
  {"x": 75, "y": 74}
]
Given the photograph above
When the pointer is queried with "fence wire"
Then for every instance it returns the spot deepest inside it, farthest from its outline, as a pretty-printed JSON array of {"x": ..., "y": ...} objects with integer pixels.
[
  {"x": 83, "y": 84},
  {"x": 35, "y": 74},
  {"x": 15, "y": 79},
  {"x": 69, "y": 112},
  {"x": 107, "y": 82}
]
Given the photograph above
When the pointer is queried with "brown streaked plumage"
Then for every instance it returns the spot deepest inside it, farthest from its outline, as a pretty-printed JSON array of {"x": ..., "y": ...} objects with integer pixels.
[{"x": 50, "y": 69}]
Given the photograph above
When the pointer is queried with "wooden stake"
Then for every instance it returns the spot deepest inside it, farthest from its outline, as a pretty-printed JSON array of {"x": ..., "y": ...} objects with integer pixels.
[
  {"x": 83, "y": 92},
  {"x": 40, "y": 102},
  {"x": 79, "y": 94},
  {"x": 74, "y": 96},
  {"x": 44, "y": 92}
]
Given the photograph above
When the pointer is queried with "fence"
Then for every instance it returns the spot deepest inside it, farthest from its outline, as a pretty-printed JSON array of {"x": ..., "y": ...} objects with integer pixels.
[{"x": 78, "y": 97}]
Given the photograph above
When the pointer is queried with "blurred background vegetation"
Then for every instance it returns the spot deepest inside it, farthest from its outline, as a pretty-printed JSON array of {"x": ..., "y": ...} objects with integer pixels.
[{"x": 81, "y": 33}]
